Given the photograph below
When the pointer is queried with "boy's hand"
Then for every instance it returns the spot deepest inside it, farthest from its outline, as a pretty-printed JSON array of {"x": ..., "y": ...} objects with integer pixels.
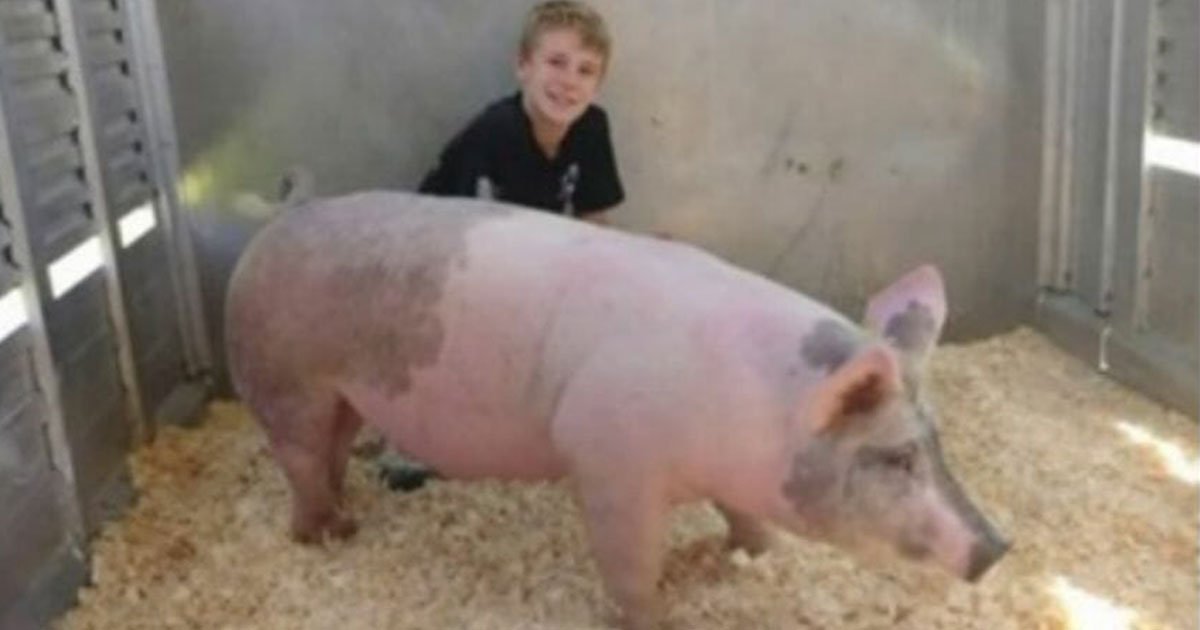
[{"x": 603, "y": 218}]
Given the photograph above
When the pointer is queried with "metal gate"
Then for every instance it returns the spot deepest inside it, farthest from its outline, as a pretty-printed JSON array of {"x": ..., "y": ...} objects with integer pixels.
[
  {"x": 1120, "y": 230},
  {"x": 98, "y": 332}
]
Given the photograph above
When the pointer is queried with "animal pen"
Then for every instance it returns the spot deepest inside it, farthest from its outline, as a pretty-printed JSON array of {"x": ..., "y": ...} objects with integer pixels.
[{"x": 1044, "y": 155}]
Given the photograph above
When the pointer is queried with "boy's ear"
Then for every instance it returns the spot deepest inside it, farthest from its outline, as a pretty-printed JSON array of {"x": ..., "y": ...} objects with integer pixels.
[
  {"x": 860, "y": 386},
  {"x": 910, "y": 312}
]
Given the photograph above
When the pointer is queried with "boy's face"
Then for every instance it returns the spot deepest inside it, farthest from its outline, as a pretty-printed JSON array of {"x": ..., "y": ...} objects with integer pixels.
[{"x": 559, "y": 77}]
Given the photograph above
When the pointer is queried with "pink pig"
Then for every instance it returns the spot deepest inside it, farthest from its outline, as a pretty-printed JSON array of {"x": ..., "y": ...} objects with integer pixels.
[{"x": 491, "y": 341}]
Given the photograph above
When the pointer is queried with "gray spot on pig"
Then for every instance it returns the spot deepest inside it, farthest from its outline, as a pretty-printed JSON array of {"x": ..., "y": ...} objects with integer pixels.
[
  {"x": 913, "y": 329},
  {"x": 813, "y": 480},
  {"x": 347, "y": 288},
  {"x": 400, "y": 288},
  {"x": 828, "y": 345}
]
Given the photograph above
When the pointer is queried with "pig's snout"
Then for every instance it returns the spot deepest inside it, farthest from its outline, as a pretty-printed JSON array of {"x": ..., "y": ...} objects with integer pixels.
[{"x": 984, "y": 554}]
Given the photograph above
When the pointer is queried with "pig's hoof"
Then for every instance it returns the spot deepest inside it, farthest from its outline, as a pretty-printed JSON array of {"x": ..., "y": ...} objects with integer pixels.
[
  {"x": 343, "y": 527},
  {"x": 306, "y": 535},
  {"x": 648, "y": 617},
  {"x": 312, "y": 533},
  {"x": 754, "y": 545}
]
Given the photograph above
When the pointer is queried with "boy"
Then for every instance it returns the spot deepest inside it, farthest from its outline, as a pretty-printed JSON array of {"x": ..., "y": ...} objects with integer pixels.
[
  {"x": 548, "y": 145},
  {"x": 545, "y": 147}
]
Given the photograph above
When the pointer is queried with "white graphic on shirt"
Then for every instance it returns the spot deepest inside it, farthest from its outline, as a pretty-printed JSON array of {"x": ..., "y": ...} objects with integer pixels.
[
  {"x": 484, "y": 189},
  {"x": 566, "y": 191}
]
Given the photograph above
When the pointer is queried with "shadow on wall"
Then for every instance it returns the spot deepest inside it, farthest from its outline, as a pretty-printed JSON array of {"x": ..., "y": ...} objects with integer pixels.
[{"x": 221, "y": 234}]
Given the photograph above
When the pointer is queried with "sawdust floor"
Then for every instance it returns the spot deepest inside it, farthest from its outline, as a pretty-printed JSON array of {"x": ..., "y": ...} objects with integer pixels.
[{"x": 1096, "y": 485}]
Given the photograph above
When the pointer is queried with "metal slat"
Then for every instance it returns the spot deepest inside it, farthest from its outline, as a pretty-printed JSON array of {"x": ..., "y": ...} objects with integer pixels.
[
  {"x": 131, "y": 195},
  {"x": 145, "y": 262},
  {"x": 17, "y": 386},
  {"x": 32, "y": 59},
  {"x": 126, "y": 167},
  {"x": 53, "y": 161},
  {"x": 22, "y": 458},
  {"x": 78, "y": 319},
  {"x": 92, "y": 383},
  {"x": 31, "y": 24},
  {"x": 113, "y": 93},
  {"x": 58, "y": 210},
  {"x": 31, "y": 517},
  {"x": 118, "y": 134},
  {"x": 59, "y": 238},
  {"x": 42, "y": 109},
  {"x": 102, "y": 49},
  {"x": 99, "y": 17}
]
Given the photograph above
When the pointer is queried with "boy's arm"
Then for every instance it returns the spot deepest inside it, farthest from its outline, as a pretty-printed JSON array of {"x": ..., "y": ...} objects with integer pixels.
[
  {"x": 460, "y": 168},
  {"x": 599, "y": 217}
]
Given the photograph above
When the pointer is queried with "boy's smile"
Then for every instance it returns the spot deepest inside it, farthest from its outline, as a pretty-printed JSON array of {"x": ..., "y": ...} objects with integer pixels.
[{"x": 559, "y": 79}]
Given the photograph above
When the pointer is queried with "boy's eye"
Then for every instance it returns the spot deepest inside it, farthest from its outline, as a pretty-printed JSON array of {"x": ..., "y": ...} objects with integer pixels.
[
  {"x": 587, "y": 70},
  {"x": 558, "y": 62}
]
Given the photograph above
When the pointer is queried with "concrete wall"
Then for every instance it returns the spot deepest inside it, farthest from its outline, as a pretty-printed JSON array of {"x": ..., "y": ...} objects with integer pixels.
[{"x": 831, "y": 144}]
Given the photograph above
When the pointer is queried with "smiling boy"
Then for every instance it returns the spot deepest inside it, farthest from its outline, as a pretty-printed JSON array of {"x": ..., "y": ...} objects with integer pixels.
[{"x": 548, "y": 145}]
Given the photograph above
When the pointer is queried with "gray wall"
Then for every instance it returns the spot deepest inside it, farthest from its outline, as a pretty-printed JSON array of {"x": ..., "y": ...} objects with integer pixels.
[{"x": 830, "y": 144}]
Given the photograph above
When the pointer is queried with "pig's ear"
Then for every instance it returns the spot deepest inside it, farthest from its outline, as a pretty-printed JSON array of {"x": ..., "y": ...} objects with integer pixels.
[
  {"x": 909, "y": 314},
  {"x": 858, "y": 387}
]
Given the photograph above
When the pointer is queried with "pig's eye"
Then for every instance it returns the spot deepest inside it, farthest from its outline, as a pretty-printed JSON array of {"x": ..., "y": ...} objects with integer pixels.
[{"x": 902, "y": 459}]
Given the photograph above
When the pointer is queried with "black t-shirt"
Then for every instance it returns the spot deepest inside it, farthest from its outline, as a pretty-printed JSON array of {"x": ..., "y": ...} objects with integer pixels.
[{"x": 499, "y": 145}]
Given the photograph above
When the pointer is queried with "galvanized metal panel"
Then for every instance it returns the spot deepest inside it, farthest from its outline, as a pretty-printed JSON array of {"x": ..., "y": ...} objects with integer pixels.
[
  {"x": 150, "y": 305},
  {"x": 16, "y": 374},
  {"x": 1177, "y": 81},
  {"x": 830, "y": 144},
  {"x": 86, "y": 60},
  {"x": 23, "y": 462},
  {"x": 35, "y": 523},
  {"x": 1130, "y": 195},
  {"x": 77, "y": 318},
  {"x": 1137, "y": 259},
  {"x": 145, "y": 269},
  {"x": 1174, "y": 286},
  {"x": 92, "y": 385},
  {"x": 1089, "y": 166},
  {"x": 1172, "y": 300},
  {"x": 10, "y": 275}
]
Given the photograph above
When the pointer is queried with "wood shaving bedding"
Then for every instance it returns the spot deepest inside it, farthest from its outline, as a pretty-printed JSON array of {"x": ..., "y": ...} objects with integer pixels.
[{"x": 1095, "y": 484}]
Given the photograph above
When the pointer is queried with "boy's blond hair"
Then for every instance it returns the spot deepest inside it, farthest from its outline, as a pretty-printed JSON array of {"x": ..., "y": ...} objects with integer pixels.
[{"x": 572, "y": 14}]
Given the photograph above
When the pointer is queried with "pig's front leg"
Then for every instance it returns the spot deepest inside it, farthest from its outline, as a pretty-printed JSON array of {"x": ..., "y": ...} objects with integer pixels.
[
  {"x": 626, "y": 525},
  {"x": 747, "y": 532}
]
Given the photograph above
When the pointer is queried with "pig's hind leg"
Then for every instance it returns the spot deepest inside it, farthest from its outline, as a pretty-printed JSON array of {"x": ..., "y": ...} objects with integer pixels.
[
  {"x": 311, "y": 436},
  {"x": 746, "y": 532}
]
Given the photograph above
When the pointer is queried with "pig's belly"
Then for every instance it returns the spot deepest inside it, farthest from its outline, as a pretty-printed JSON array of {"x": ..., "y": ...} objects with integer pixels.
[{"x": 459, "y": 435}]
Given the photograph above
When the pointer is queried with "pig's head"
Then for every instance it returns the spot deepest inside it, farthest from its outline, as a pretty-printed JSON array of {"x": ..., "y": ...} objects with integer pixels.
[{"x": 868, "y": 466}]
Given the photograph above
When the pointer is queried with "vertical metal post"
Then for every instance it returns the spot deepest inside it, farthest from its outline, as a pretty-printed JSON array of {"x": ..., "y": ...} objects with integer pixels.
[
  {"x": 154, "y": 91},
  {"x": 1052, "y": 114},
  {"x": 1112, "y": 153},
  {"x": 36, "y": 293},
  {"x": 1144, "y": 273},
  {"x": 1070, "y": 77},
  {"x": 73, "y": 36}
]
